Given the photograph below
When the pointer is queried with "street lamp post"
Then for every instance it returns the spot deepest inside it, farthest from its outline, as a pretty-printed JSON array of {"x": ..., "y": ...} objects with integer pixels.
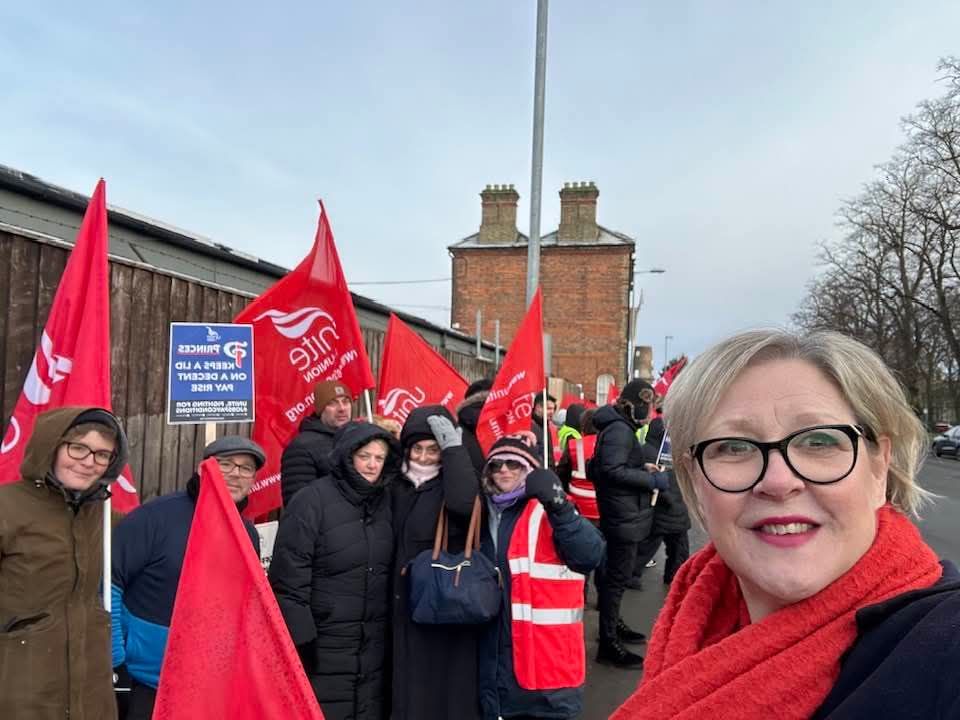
[
  {"x": 632, "y": 319},
  {"x": 666, "y": 347}
]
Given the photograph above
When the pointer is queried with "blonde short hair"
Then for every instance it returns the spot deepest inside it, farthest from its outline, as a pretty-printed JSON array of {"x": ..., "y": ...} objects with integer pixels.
[{"x": 864, "y": 380}]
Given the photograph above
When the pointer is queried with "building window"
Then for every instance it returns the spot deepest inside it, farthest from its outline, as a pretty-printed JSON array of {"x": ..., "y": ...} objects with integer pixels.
[{"x": 603, "y": 388}]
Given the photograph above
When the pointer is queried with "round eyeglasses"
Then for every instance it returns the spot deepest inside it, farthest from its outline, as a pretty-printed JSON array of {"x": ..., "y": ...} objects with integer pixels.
[{"x": 822, "y": 454}]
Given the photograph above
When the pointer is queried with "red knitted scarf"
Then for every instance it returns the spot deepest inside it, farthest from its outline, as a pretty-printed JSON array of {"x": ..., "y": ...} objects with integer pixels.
[{"x": 706, "y": 660}]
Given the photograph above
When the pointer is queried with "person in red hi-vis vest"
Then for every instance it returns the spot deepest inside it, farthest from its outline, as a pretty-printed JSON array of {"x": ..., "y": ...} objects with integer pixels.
[{"x": 532, "y": 659}]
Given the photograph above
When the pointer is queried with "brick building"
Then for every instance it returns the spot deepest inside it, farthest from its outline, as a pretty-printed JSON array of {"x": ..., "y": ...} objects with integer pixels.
[{"x": 586, "y": 273}]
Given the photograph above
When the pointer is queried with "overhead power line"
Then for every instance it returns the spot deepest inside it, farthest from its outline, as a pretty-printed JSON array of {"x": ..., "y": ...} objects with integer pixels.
[{"x": 401, "y": 282}]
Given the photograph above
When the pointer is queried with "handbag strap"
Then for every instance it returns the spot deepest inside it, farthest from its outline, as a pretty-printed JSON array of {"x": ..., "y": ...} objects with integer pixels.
[
  {"x": 473, "y": 532},
  {"x": 441, "y": 538}
]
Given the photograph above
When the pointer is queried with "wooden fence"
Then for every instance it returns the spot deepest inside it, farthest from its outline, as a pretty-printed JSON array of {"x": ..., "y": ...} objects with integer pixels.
[{"x": 143, "y": 303}]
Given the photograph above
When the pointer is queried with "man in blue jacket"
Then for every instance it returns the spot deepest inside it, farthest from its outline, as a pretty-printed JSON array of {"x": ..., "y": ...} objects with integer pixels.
[{"x": 148, "y": 549}]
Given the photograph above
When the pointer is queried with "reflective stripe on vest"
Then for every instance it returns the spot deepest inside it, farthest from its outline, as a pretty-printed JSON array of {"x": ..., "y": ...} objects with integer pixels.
[
  {"x": 578, "y": 490},
  {"x": 544, "y": 616},
  {"x": 546, "y": 603}
]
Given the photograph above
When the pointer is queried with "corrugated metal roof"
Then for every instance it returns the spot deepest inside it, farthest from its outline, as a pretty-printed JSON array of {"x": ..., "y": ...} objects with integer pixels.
[
  {"x": 606, "y": 238},
  {"x": 154, "y": 243}
]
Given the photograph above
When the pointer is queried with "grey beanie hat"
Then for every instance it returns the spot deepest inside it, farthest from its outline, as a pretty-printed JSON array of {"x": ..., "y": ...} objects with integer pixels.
[{"x": 235, "y": 445}]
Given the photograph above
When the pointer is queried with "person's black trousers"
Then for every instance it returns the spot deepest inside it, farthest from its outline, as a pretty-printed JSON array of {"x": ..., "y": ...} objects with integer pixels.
[
  {"x": 676, "y": 547},
  {"x": 140, "y": 702},
  {"x": 612, "y": 580}
]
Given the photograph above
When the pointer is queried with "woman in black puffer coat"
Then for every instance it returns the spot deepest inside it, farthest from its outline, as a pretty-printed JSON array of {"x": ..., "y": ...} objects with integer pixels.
[
  {"x": 331, "y": 574},
  {"x": 434, "y": 666}
]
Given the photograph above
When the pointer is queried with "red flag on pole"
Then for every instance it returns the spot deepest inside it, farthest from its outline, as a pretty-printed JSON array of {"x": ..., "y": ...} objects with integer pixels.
[
  {"x": 613, "y": 392},
  {"x": 228, "y": 654},
  {"x": 510, "y": 403},
  {"x": 413, "y": 374},
  {"x": 669, "y": 375},
  {"x": 305, "y": 331},
  {"x": 72, "y": 364}
]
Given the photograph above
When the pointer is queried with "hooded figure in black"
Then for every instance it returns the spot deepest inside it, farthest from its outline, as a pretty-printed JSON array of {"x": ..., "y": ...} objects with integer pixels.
[
  {"x": 434, "y": 666},
  {"x": 331, "y": 574},
  {"x": 468, "y": 415},
  {"x": 625, "y": 479},
  {"x": 671, "y": 520}
]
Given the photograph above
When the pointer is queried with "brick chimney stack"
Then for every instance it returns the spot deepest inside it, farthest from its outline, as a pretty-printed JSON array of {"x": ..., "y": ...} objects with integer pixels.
[
  {"x": 578, "y": 212},
  {"x": 498, "y": 214}
]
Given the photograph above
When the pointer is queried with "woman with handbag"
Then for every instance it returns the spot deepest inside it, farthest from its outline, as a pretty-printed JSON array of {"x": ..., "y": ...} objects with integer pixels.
[
  {"x": 331, "y": 574},
  {"x": 434, "y": 666},
  {"x": 532, "y": 657}
]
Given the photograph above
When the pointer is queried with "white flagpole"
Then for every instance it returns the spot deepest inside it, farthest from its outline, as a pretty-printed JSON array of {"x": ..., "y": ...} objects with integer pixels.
[
  {"x": 107, "y": 555},
  {"x": 366, "y": 397},
  {"x": 546, "y": 431},
  {"x": 656, "y": 493}
]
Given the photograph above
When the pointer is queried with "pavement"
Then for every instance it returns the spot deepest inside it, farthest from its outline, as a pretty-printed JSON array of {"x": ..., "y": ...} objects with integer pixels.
[{"x": 608, "y": 687}]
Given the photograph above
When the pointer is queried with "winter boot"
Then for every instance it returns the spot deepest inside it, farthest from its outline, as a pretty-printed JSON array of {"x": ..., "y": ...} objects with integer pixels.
[
  {"x": 625, "y": 634},
  {"x": 617, "y": 655}
]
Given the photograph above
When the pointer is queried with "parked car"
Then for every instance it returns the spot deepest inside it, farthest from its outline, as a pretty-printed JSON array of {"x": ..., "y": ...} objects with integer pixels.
[
  {"x": 941, "y": 427},
  {"x": 947, "y": 443}
]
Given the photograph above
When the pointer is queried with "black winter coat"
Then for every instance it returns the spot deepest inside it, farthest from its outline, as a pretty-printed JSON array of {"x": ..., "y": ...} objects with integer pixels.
[
  {"x": 582, "y": 547},
  {"x": 331, "y": 575},
  {"x": 905, "y": 662},
  {"x": 434, "y": 666},
  {"x": 306, "y": 458},
  {"x": 624, "y": 488},
  {"x": 468, "y": 415},
  {"x": 670, "y": 514}
]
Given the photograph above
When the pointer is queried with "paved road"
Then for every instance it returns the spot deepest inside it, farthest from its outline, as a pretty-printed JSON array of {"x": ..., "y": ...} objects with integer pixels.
[{"x": 607, "y": 687}]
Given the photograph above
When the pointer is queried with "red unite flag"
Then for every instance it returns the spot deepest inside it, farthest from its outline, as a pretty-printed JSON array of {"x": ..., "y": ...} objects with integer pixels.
[
  {"x": 305, "y": 331},
  {"x": 509, "y": 405},
  {"x": 228, "y": 654},
  {"x": 72, "y": 364},
  {"x": 613, "y": 392},
  {"x": 669, "y": 375},
  {"x": 413, "y": 374}
]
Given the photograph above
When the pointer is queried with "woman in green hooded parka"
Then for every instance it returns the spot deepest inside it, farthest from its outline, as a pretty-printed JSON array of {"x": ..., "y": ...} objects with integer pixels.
[{"x": 54, "y": 632}]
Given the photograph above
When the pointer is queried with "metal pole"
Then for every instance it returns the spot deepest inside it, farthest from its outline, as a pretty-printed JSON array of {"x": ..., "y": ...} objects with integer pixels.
[
  {"x": 366, "y": 399},
  {"x": 107, "y": 555},
  {"x": 496, "y": 342},
  {"x": 666, "y": 345},
  {"x": 536, "y": 180},
  {"x": 479, "y": 331}
]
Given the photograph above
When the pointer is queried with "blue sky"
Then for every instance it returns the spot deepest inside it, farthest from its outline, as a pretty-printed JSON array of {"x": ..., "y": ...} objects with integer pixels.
[{"x": 722, "y": 136}]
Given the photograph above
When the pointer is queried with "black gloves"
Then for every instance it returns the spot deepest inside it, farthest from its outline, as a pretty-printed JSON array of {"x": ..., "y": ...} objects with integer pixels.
[
  {"x": 545, "y": 486},
  {"x": 661, "y": 480}
]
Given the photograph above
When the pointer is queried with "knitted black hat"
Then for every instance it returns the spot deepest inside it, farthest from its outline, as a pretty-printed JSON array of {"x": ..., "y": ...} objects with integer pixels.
[{"x": 634, "y": 392}]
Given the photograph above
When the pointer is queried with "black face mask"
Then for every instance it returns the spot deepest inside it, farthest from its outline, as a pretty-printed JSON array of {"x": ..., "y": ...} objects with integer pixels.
[{"x": 640, "y": 411}]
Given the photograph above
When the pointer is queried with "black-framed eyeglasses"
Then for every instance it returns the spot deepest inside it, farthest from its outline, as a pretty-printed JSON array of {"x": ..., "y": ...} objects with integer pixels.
[
  {"x": 821, "y": 454},
  {"x": 79, "y": 451},
  {"x": 495, "y": 465},
  {"x": 228, "y": 466}
]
